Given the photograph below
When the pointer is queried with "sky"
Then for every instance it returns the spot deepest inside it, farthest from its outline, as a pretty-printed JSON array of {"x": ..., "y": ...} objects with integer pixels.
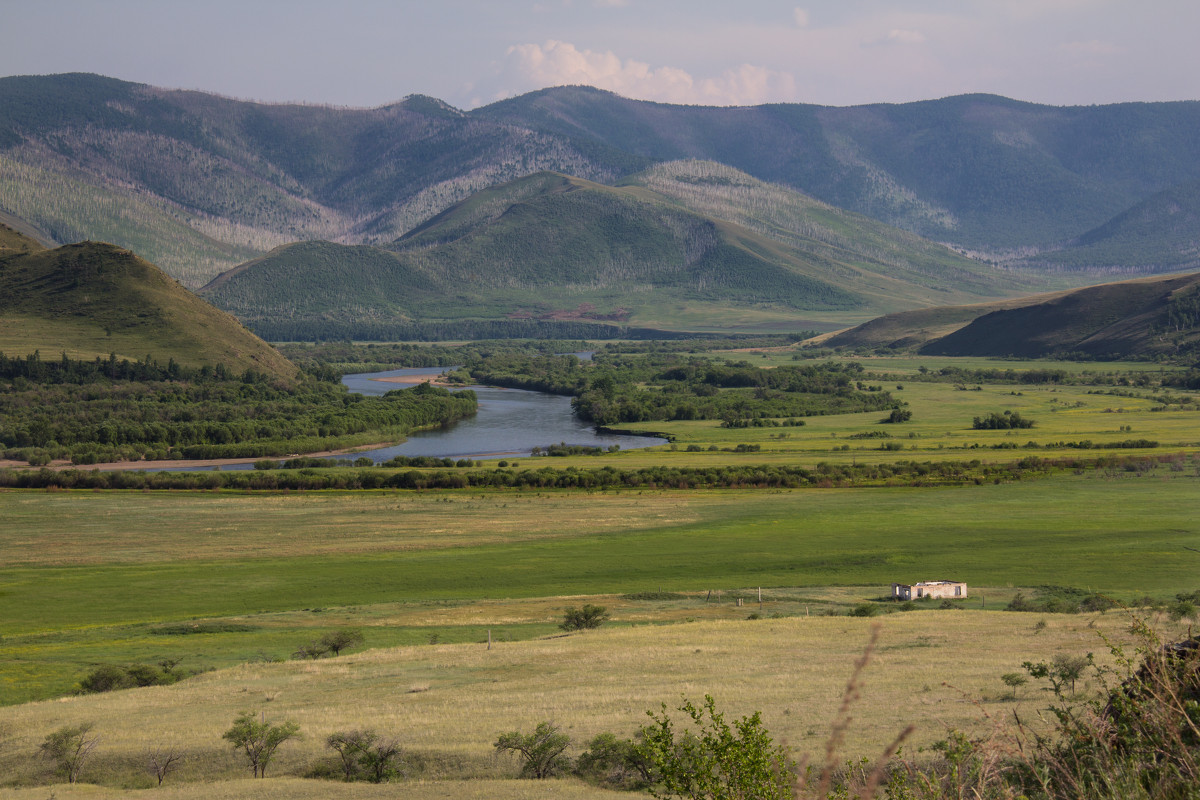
[{"x": 366, "y": 53}]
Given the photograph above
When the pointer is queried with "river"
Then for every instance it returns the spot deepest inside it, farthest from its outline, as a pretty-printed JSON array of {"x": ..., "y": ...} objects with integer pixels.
[{"x": 510, "y": 422}]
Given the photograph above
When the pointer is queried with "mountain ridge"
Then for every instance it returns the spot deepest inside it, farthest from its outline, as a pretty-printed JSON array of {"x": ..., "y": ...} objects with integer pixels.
[{"x": 200, "y": 183}]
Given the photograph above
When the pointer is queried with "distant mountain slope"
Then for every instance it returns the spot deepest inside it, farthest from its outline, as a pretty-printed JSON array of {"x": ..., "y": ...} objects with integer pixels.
[
  {"x": 552, "y": 246},
  {"x": 200, "y": 183},
  {"x": 1160, "y": 233},
  {"x": 92, "y": 299},
  {"x": 1144, "y": 317},
  {"x": 88, "y": 156},
  {"x": 977, "y": 170}
]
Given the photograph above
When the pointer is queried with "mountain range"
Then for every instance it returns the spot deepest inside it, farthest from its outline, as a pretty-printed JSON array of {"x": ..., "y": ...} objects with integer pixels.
[{"x": 199, "y": 183}]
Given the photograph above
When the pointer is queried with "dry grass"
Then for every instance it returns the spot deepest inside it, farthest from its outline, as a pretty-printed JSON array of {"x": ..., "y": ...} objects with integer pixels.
[{"x": 928, "y": 669}]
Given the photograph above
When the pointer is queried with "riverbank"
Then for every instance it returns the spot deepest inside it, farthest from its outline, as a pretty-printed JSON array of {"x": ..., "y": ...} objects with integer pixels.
[{"x": 189, "y": 464}]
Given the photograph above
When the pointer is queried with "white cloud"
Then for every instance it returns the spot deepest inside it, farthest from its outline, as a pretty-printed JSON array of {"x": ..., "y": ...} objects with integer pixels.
[
  {"x": 561, "y": 63},
  {"x": 801, "y": 17},
  {"x": 610, "y": 3}
]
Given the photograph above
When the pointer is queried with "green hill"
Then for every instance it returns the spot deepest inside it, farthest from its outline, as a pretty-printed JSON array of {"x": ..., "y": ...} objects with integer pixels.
[
  {"x": 552, "y": 247},
  {"x": 94, "y": 299}
]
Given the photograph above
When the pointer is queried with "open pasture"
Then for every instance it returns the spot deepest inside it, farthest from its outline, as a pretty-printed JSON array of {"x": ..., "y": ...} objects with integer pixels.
[
  {"x": 88, "y": 577},
  {"x": 940, "y": 429},
  {"x": 447, "y": 703}
]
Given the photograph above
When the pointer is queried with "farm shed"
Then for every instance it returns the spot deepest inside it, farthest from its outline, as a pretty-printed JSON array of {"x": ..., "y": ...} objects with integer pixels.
[{"x": 933, "y": 589}]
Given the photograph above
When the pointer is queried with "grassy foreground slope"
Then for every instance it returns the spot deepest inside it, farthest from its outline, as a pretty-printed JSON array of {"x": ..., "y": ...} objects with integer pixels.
[
  {"x": 448, "y": 703},
  {"x": 94, "y": 299}
]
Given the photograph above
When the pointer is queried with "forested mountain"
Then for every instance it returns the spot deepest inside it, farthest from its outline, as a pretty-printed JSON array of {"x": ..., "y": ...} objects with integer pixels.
[
  {"x": 93, "y": 299},
  {"x": 555, "y": 247},
  {"x": 1138, "y": 318},
  {"x": 1161, "y": 233},
  {"x": 200, "y": 183}
]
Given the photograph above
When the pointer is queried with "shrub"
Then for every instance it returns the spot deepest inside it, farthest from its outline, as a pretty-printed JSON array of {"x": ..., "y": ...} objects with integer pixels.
[
  {"x": 716, "y": 760},
  {"x": 578, "y": 619},
  {"x": 541, "y": 752},
  {"x": 613, "y": 763}
]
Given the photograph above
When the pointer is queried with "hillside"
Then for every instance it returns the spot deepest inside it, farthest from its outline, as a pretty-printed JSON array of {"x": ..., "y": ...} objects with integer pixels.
[
  {"x": 554, "y": 247},
  {"x": 1139, "y": 318},
  {"x": 199, "y": 183},
  {"x": 1133, "y": 318},
  {"x": 94, "y": 299},
  {"x": 1161, "y": 233}
]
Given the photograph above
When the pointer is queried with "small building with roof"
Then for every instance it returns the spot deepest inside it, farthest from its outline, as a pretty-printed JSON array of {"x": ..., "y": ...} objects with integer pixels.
[{"x": 933, "y": 589}]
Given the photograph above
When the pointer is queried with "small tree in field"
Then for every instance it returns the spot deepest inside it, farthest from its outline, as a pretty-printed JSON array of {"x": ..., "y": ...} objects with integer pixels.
[
  {"x": 578, "y": 619},
  {"x": 259, "y": 739},
  {"x": 69, "y": 748},
  {"x": 541, "y": 752},
  {"x": 717, "y": 761},
  {"x": 337, "y": 641}
]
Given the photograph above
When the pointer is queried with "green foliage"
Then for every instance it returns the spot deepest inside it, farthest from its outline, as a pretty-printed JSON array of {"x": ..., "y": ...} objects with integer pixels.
[
  {"x": 540, "y": 752},
  {"x": 69, "y": 748},
  {"x": 365, "y": 755},
  {"x": 586, "y": 618},
  {"x": 203, "y": 413},
  {"x": 258, "y": 739},
  {"x": 715, "y": 760},
  {"x": 1007, "y": 420},
  {"x": 110, "y": 677},
  {"x": 613, "y": 763}
]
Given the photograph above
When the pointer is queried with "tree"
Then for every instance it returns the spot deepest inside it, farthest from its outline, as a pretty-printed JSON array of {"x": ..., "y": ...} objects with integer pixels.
[
  {"x": 259, "y": 739},
  {"x": 313, "y": 650},
  {"x": 717, "y": 761},
  {"x": 337, "y": 641},
  {"x": 541, "y": 752},
  {"x": 161, "y": 761},
  {"x": 1014, "y": 681},
  {"x": 578, "y": 619},
  {"x": 365, "y": 754},
  {"x": 69, "y": 748}
]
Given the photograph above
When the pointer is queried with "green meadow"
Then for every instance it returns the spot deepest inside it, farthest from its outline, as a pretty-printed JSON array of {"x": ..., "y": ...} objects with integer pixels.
[{"x": 89, "y": 578}]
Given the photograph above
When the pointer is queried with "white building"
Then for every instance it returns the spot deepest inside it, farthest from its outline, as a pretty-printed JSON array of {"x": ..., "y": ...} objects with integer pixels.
[{"x": 933, "y": 589}]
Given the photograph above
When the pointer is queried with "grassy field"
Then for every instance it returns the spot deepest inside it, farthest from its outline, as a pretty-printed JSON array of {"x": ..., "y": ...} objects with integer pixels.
[
  {"x": 238, "y": 581},
  {"x": 448, "y": 703},
  {"x": 89, "y": 577}
]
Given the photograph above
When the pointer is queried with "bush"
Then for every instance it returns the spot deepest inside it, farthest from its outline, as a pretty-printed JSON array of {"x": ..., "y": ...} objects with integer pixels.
[
  {"x": 578, "y": 619},
  {"x": 365, "y": 755},
  {"x": 613, "y": 763},
  {"x": 717, "y": 760}
]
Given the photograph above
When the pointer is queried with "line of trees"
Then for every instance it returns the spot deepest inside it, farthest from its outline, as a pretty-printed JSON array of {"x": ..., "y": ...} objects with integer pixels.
[{"x": 823, "y": 475}]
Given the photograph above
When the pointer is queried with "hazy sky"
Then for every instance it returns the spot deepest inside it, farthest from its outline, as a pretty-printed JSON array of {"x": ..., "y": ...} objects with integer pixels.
[{"x": 720, "y": 52}]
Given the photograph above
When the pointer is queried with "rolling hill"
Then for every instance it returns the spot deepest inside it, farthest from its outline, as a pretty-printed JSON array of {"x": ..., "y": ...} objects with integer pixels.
[
  {"x": 551, "y": 246},
  {"x": 199, "y": 183},
  {"x": 1140, "y": 318},
  {"x": 94, "y": 299}
]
